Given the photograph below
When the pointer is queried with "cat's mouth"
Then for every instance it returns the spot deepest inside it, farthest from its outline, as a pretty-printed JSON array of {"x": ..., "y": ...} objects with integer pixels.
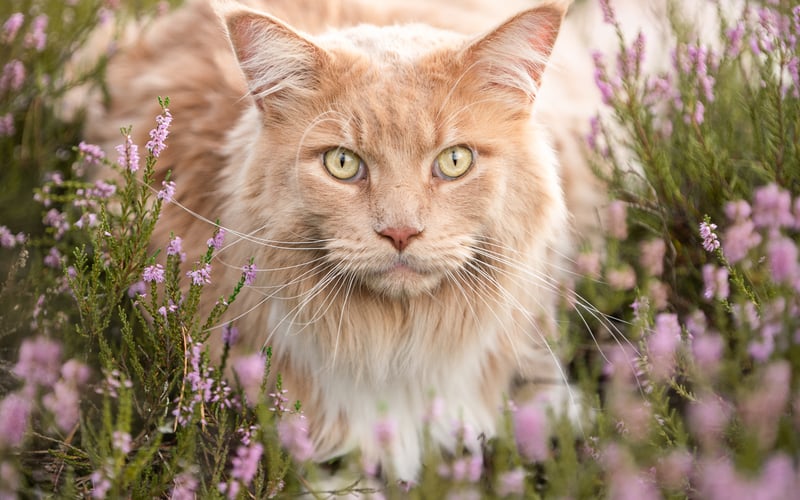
[{"x": 401, "y": 277}]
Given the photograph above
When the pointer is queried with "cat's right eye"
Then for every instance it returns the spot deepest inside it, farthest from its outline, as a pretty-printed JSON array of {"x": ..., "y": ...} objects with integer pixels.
[{"x": 343, "y": 164}]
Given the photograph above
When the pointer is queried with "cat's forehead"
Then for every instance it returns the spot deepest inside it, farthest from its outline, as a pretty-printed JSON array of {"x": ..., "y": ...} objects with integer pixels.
[{"x": 397, "y": 43}]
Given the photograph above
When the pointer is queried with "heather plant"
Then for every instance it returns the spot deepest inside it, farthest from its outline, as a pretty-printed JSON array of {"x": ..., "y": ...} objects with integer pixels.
[{"x": 683, "y": 331}]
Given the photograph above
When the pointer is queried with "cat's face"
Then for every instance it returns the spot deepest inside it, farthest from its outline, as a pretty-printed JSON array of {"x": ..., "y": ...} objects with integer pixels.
[{"x": 409, "y": 150}]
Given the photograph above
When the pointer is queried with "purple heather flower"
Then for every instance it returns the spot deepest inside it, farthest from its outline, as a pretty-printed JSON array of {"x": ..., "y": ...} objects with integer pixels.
[
  {"x": 7, "y": 128},
  {"x": 230, "y": 334},
  {"x": 37, "y": 38},
  {"x": 293, "y": 433},
  {"x": 91, "y": 152},
  {"x": 201, "y": 276},
  {"x": 531, "y": 432},
  {"x": 184, "y": 487},
  {"x": 511, "y": 483},
  {"x": 707, "y": 350},
  {"x": 167, "y": 193},
  {"x": 622, "y": 278},
  {"x": 708, "y": 417},
  {"x": 39, "y": 361},
  {"x": 15, "y": 411},
  {"x": 12, "y": 25},
  {"x": 121, "y": 441},
  {"x": 153, "y": 274},
  {"x": 217, "y": 241},
  {"x": 772, "y": 207},
  {"x": 716, "y": 282},
  {"x": 175, "y": 247},
  {"x": 699, "y": 114},
  {"x": 64, "y": 404},
  {"x": 782, "y": 255},
  {"x": 616, "y": 219},
  {"x": 249, "y": 271},
  {"x": 250, "y": 372},
  {"x": 710, "y": 240},
  {"x": 159, "y": 134},
  {"x": 735, "y": 36},
  {"x": 75, "y": 372},
  {"x": 763, "y": 408},
  {"x": 739, "y": 239},
  {"x": 137, "y": 289},
  {"x": 609, "y": 16},
  {"x": 13, "y": 76},
  {"x": 606, "y": 88},
  {"x": 100, "y": 483},
  {"x": 673, "y": 471},
  {"x": 102, "y": 190},
  {"x": 652, "y": 256},
  {"x": 588, "y": 264},
  {"x": 128, "y": 154}
]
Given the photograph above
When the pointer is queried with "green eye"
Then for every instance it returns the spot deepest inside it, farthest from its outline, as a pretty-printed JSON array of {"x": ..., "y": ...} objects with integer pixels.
[
  {"x": 453, "y": 162},
  {"x": 343, "y": 164}
]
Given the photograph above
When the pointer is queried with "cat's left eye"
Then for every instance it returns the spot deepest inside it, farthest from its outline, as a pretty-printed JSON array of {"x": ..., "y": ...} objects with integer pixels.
[{"x": 453, "y": 162}]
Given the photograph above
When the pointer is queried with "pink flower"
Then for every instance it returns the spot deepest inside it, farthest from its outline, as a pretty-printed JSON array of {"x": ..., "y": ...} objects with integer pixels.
[
  {"x": 739, "y": 239},
  {"x": 783, "y": 263},
  {"x": 608, "y": 12},
  {"x": 153, "y": 274},
  {"x": 11, "y": 26},
  {"x": 64, "y": 404},
  {"x": 531, "y": 433},
  {"x": 710, "y": 240},
  {"x": 184, "y": 487},
  {"x": 708, "y": 417},
  {"x": 91, "y": 152},
  {"x": 39, "y": 361},
  {"x": 128, "y": 154},
  {"x": 230, "y": 334},
  {"x": 707, "y": 351},
  {"x": 159, "y": 134},
  {"x": 167, "y": 192},
  {"x": 121, "y": 441},
  {"x": 13, "y": 76},
  {"x": 616, "y": 219},
  {"x": 175, "y": 248},
  {"x": 738, "y": 210},
  {"x": 511, "y": 482},
  {"x": 249, "y": 271},
  {"x": 588, "y": 264},
  {"x": 217, "y": 241},
  {"x": 623, "y": 278},
  {"x": 37, "y": 38},
  {"x": 716, "y": 282},
  {"x": 15, "y": 411},
  {"x": 652, "y": 256},
  {"x": 7, "y": 128},
  {"x": 246, "y": 462},
  {"x": 293, "y": 433},
  {"x": 249, "y": 371},
  {"x": 763, "y": 408},
  {"x": 772, "y": 207},
  {"x": 201, "y": 276}
]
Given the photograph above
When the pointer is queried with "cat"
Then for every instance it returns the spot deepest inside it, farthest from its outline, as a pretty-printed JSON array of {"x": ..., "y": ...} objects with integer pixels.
[{"x": 387, "y": 168}]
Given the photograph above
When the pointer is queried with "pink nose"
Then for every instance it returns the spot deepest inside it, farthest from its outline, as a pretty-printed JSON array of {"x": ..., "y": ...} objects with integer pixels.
[{"x": 400, "y": 236}]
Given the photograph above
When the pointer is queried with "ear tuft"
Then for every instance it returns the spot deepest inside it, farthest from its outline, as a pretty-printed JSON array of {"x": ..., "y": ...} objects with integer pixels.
[
  {"x": 275, "y": 58},
  {"x": 515, "y": 54}
]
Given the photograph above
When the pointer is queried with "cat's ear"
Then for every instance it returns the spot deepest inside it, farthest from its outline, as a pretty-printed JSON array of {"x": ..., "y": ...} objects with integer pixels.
[
  {"x": 514, "y": 56},
  {"x": 278, "y": 62}
]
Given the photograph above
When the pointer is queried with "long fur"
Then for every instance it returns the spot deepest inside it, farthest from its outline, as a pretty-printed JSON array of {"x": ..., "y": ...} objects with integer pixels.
[{"x": 357, "y": 328}]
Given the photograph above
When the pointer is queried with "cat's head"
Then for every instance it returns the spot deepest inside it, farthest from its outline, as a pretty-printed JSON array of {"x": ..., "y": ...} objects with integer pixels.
[{"x": 408, "y": 150}]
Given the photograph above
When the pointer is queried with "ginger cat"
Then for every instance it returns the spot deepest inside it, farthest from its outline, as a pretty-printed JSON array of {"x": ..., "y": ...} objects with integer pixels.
[{"x": 384, "y": 166}]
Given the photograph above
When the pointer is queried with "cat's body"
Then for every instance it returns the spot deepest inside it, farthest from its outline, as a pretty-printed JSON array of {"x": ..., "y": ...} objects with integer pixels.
[{"x": 380, "y": 292}]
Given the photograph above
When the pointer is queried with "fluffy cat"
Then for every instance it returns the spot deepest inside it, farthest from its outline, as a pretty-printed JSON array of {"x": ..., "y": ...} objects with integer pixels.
[{"x": 385, "y": 167}]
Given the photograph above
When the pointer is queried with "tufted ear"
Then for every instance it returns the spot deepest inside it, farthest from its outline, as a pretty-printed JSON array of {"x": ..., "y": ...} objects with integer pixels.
[
  {"x": 514, "y": 55},
  {"x": 278, "y": 62}
]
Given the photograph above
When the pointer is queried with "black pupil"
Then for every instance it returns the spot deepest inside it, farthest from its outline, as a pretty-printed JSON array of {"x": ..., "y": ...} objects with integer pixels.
[{"x": 342, "y": 159}]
